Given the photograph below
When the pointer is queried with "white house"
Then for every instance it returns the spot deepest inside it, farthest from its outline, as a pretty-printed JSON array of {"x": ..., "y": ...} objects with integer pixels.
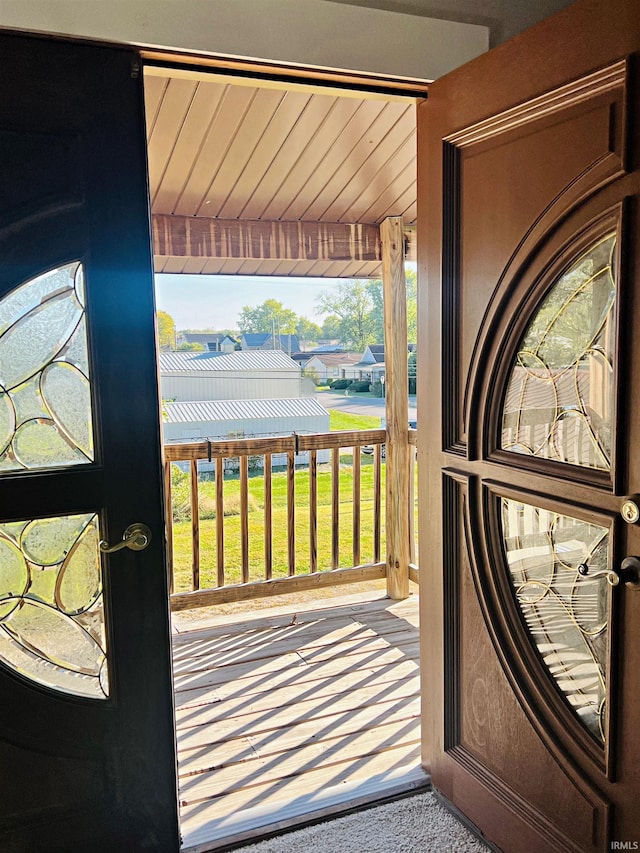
[
  {"x": 371, "y": 365},
  {"x": 268, "y": 374},
  {"x": 365, "y": 366},
  {"x": 329, "y": 365}
]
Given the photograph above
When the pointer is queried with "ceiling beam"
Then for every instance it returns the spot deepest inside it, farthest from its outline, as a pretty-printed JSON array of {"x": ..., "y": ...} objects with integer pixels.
[{"x": 201, "y": 237}]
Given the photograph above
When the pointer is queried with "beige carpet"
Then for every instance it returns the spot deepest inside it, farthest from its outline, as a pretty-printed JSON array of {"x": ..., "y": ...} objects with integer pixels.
[{"x": 415, "y": 824}]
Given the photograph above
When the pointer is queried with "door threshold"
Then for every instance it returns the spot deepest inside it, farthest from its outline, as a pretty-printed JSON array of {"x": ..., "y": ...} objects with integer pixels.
[{"x": 257, "y": 823}]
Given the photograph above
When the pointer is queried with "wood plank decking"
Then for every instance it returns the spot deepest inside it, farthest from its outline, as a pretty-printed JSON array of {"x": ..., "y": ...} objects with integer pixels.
[{"x": 281, "y": 717}]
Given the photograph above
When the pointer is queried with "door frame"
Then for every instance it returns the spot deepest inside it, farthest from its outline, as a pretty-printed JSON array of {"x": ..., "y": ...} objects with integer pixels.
[{"x": 293, "y": 76}]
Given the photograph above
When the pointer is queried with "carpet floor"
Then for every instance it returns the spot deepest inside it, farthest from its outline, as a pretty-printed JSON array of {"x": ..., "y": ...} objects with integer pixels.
[{"x": 417, "y": 824}]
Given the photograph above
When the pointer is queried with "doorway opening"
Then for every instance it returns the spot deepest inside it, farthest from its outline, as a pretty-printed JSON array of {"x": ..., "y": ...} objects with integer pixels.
[{"x": 312, "y": 705}]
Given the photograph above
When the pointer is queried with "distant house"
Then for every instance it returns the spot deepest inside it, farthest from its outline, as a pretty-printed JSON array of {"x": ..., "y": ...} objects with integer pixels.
[
  {"x": 301, "y": 358},
  {"x": 373, "y": 354},
  {"x": 186, "y": 376},
  {"x": 233, "y": 419},
  {"x": 210, "y": 341},
  {"x": 329, "y": 365},
  {"x": 267, "y": 341},
  {"x": 371, "y": 364}
]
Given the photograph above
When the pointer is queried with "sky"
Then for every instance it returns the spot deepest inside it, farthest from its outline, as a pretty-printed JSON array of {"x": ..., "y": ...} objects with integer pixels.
[{"x": 215, "y": 302}]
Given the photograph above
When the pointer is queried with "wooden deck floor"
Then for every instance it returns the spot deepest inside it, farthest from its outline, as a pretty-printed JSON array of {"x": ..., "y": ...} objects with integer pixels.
[{"x": 281, "y": 717}]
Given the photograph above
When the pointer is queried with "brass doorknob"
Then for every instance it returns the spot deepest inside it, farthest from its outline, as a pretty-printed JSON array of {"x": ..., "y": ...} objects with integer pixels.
[
  {"x": 628, "y": 573},
  {"x": 613, "y": 579},
  {"x": 136, "y": 537}
]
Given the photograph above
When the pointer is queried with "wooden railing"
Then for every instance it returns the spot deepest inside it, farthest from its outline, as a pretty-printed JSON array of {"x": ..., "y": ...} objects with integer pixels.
[{"x": 300, "y": 574}]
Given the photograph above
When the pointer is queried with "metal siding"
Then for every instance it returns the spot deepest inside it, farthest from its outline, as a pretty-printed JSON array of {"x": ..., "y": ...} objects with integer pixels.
[{"x": 232, "y": 387}]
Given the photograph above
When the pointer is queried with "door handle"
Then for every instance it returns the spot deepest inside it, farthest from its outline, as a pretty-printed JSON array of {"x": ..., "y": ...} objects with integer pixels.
[
  {"x": 628, "y": 573},
  {"x": 136, "y": 537}
]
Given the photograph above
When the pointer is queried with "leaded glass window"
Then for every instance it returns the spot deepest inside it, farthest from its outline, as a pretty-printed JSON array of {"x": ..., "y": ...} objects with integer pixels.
[
  {"x": 565, "y": 612},
  {"x": 45, "y": 395},
  {"x": 51, "y": 603},
  {"x": 559, "y": 400}
]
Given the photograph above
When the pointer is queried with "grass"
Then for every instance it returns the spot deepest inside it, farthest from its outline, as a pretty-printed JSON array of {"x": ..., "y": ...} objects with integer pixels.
[
  {"x": 182, "y": 540},
  {"x": 232, "y": 527},
  {"x": 345, "y": 420}
]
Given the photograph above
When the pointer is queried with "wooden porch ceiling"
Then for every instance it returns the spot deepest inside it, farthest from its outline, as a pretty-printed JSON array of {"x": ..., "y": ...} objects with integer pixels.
[{"x": 256, "y": 165}]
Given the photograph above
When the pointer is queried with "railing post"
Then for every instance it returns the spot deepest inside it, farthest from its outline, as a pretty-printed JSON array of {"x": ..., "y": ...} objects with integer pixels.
[{"x": 397, "y": 406}]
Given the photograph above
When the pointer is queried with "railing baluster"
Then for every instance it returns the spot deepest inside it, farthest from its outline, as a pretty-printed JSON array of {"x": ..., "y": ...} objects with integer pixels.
[
  {"x": 268, "y": 514},
  {"x": 220, "y": 519},
  {"x": 242, "y": 588},
  {"x": 356, "y": 506},
  {"x": 169, "y": 522},
  {"x": 291, "y": 511},
  {"x": 377, "y": 502},
  {"x": 195, "y": 527},
  {"x": 244, "y": 516},
  {"x": 335, "y": 507},
  {"x": 313, "y": 510}
]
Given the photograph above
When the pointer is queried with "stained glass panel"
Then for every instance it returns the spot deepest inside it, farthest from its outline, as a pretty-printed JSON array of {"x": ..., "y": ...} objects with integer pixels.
[
  {"x": 51, "y": 608},
  {"x": 559, "y": 401},
  {"x": 45, "y": 395},
  {"x": 565, "y": 612}
]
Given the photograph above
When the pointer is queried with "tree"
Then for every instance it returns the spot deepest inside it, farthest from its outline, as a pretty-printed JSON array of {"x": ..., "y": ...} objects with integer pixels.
[
  {"x": 412, "y": 306},
  {"x": 357, "y": 312},
  {"x": 377, "y": 313},
  {"x": 353, "y": 304},
  {"x": 166, "y": 331},
  {"x": 269, "y": 317},
  {"x": 191, "y": 348},
  {"x": 307, "y": 331},
  {"x": 331, "y": 328}
]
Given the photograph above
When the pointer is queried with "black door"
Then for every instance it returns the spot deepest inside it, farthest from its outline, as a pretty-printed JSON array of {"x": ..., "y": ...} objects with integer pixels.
[{"x": 87, "y": 756}]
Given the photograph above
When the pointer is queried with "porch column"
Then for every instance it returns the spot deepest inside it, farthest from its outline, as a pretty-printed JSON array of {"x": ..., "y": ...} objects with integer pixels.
[{"x": 397, "y": 406}]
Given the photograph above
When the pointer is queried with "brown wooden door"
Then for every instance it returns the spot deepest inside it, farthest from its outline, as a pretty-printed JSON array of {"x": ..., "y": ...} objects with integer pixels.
[
  {"x": 529, "y": 191},
  {"x": 87, "y": 757}
]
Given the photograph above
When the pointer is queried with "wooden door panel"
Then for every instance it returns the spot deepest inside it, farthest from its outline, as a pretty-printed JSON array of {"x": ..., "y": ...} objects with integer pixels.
[
  {"x": 487, "y": 733},
  {"x": 486, "y": 229},
  {"x": 533, "y": 153}
]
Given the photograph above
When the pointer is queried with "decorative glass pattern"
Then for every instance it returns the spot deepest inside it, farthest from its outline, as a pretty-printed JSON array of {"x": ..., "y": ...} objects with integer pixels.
[
  {"x": 559, "y": 400},
  {"x": 565, "y": 611},
  {"x": 51, "y": 607},
  {"x": 45, "y": 396}
]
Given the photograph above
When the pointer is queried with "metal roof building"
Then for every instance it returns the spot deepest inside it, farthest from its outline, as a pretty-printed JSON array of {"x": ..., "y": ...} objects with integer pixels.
[
  {"x": 213, "y": 419},
  {"x": 259, "y": 374}
]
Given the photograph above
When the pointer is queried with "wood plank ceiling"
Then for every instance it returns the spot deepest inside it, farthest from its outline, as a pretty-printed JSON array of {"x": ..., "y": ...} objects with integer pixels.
[{"x": 261, "y": 160}]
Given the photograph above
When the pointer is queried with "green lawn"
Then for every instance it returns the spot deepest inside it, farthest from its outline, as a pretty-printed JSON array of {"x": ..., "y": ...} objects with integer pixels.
[
  {"x": 232, "y": 529},
  {"x": 232, "y": 538},
  {"x": 345, "y": 420}
]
